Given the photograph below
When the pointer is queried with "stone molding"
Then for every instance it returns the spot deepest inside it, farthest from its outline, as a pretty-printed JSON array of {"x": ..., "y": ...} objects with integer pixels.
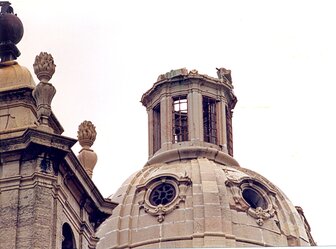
[
  {"x": 152, "y": 242},
  {"x": 146, "y": 97},
  {"x": 193, "y": 152},
  {"x": 38, "y": 137}
]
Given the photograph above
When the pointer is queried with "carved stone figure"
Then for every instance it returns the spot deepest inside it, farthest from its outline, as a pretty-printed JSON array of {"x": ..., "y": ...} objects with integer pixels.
[{"x": 223, "y": 73}]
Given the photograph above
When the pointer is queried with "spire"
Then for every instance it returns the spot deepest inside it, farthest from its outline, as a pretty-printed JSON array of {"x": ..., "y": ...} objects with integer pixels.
[
  {"x": 11, "y": 32},
  {"x": 86, "y": 137}
]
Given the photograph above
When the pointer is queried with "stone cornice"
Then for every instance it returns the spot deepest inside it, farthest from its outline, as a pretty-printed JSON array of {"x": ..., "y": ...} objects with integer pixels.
[
  {"x": 61, "y": 147},
  {"x": 38, "y": 137},
  {"x": 19, "y": 93},
  {"x": 87, "y": 185},
  {"x": 183, "y": 78},
  {"x": 192, "y": 152}
]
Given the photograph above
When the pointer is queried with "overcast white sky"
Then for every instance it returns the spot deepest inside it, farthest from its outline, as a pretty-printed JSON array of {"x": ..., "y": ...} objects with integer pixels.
[{"x": 282, "y": 55}]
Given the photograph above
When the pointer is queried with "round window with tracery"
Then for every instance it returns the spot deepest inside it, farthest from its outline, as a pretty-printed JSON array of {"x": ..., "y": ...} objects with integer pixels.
[{"x": 162, "y": 194}]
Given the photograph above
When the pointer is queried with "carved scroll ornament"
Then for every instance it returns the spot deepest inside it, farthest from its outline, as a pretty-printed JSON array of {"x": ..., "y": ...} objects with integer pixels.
[
  {"x": 238, "y": 185},
  {"x": 180, "y": 184}
]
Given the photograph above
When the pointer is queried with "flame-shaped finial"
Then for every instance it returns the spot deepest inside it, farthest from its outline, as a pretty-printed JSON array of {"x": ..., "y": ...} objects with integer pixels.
[
  {"x": 44, "y": 66},
  {"x": 86, "y": 137}
]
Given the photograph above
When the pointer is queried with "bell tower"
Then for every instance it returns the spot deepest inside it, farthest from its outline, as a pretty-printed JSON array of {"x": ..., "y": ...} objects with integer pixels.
[{"x": 190, "y": 111}]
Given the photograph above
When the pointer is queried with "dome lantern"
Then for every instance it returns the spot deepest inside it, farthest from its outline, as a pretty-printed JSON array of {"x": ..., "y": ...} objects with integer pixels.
[
  {"x": 192, "y": 192},
  {"x": 190, "y": 112}
]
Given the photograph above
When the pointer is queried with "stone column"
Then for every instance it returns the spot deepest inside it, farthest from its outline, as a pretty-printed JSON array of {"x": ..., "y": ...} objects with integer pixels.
[
  {"x": 195, "y": 117},
  {"x": 166, "y": 122},
  {"x": 150, "y": 132},
  {"x": 221, "y": 124}
]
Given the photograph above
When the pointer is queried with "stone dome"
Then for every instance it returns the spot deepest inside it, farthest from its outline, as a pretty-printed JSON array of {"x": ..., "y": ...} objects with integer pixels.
[
  {"x": 192, "y": 192},
  {"x": 17, "y": 106},
  {"x": 13, "y": 76},
  {"x": 201, "y": 203}
]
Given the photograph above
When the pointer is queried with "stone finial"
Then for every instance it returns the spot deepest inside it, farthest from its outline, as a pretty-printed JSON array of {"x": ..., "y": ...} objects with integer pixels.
[
  {"x": 44, "y": 92},
  {"x": 11, "y": 32},
  {"x": 44, "y": 66},
  {"x": 86, "y": 136}
]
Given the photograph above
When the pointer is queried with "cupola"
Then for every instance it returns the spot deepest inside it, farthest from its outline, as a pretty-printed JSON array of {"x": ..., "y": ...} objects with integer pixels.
[
  {"x": 192, "y": 192},
  {"x": 190, "y": 112}
]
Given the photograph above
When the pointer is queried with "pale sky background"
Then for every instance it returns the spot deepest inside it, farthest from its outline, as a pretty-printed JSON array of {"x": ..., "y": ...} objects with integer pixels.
[{"x": 282, "y": 55}]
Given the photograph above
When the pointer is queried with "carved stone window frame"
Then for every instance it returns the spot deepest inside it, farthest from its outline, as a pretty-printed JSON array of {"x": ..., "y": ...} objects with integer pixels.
[
  {"x": 237, "y": 186},
  {"x": 160, "y": 211}
]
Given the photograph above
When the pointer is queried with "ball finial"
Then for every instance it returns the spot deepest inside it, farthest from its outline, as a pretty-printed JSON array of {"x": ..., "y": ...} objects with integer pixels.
[{"x": 11, "y": 32}]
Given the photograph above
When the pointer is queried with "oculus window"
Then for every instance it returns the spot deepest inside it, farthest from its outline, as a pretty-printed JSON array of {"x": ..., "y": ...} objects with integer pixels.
[
  {"x": 254, "y": 198},
  {"x": 162, "y": 194}
]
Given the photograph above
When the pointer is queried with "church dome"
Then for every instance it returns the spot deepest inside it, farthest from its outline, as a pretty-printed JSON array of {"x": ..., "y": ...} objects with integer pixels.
[
  {"x": 200, "y": 203},
  {"x": 192, "y": 192},
  {"x": 13, "y": 76}
]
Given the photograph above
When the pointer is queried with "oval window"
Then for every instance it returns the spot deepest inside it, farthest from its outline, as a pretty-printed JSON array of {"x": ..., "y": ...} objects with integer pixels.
[
  {"x": 254, "y": 198},
  {"x": 162, "y": 194}
]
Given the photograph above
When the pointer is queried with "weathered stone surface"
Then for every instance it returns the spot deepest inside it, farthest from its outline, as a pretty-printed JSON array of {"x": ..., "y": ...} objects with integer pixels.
[
  {"x": 39, "y": 194},
  {"x": 205, "y": 218}
]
